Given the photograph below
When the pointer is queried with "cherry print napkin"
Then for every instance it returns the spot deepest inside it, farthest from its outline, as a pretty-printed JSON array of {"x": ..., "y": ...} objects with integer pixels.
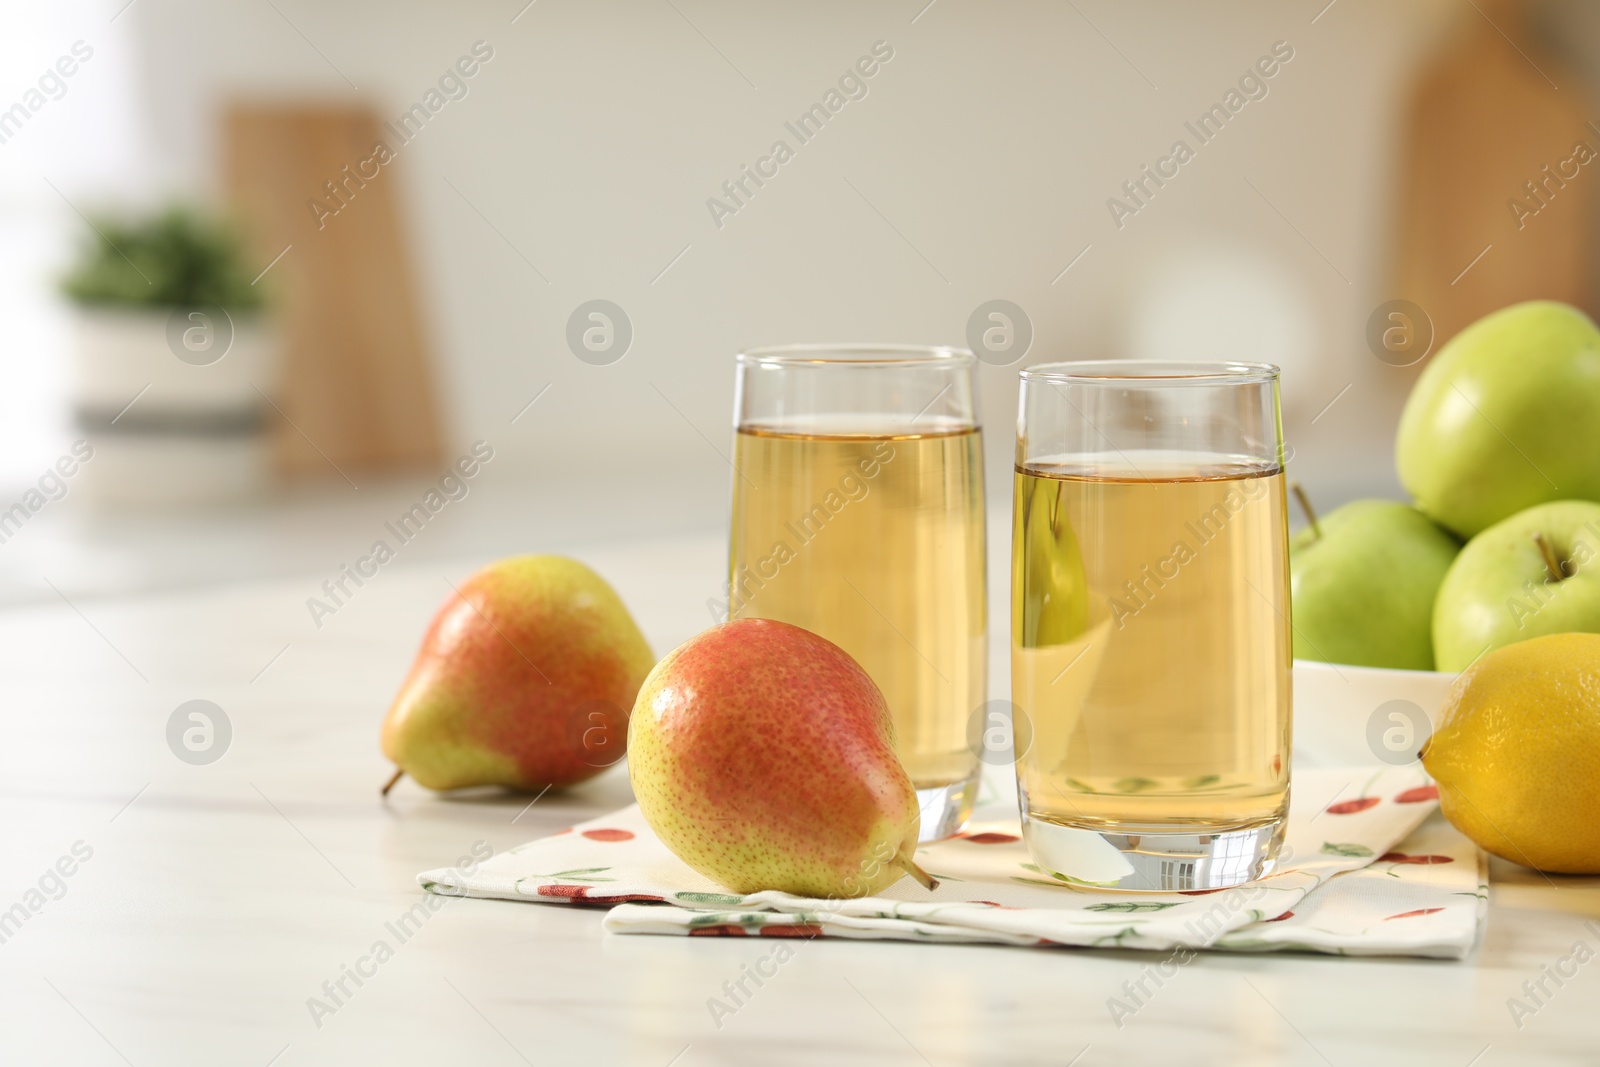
[{"x": 1368, "y": 872}]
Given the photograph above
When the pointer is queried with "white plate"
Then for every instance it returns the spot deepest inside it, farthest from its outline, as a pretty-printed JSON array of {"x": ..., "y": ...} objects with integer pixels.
[{"x": 1347, "y": 715}]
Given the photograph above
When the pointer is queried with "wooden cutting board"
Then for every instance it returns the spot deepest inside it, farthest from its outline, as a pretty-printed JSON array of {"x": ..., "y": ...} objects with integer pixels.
[
  {"x": 357, "y": 389},
  {"x": 1489, "y": 112}
]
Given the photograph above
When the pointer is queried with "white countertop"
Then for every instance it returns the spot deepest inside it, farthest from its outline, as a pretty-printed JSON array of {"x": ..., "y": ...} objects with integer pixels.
[{"x": 219, "y": 898}]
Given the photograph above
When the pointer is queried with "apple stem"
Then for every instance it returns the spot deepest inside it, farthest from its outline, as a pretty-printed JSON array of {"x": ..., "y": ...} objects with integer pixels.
[
  {"x": 923, "y": 878},
  {"x": 1551, "y": 563},
  {"x": 1305, "y": 506},
  {"x": 390, "y": 784}
]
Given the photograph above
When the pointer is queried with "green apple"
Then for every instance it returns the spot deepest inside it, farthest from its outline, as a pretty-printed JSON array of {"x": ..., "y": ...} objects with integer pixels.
[
  {"x": 1506, "y": 416},
  {"x": 1362, "y": 582},
  {"x": 1536, "y": 573}
]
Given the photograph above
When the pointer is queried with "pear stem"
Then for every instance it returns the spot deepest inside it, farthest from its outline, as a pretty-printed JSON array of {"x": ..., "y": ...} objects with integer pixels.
[
  {"x": 390, "y": 784},
  {"x": 922, "y": 877},
  {"x": 1551, "y": 563},
  {"x": 1305, "y": 506}
]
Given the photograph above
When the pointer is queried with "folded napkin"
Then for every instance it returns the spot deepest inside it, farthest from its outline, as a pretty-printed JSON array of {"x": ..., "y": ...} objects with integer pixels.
[{"x": 1361, "y": 875}]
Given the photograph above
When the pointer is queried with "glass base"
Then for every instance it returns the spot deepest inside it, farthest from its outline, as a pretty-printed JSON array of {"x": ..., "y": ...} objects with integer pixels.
[
  {"x": 946, "y": 808},
  {"x": 1153, "y": 862}
]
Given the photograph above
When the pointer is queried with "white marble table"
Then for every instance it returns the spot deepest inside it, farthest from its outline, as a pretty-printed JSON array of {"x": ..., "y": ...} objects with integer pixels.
[{"x": 219, "y": 898}]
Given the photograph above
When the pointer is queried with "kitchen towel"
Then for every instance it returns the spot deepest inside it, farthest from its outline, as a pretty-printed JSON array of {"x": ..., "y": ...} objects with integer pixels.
[{"x": 1367, "y": 873}]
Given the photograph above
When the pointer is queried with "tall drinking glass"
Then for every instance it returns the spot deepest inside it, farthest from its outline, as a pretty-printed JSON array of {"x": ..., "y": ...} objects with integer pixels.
[
  {"x": 858, "y": 515},
  {"x": 1150, "y": 639}
]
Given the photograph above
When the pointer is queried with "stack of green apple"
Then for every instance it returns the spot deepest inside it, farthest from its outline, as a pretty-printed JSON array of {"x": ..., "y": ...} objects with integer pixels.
[{"x": 1499, "y": 447}]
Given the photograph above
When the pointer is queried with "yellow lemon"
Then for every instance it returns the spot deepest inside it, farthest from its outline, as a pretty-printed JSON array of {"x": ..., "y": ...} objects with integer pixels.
[{"x": 1516, "y": 753}]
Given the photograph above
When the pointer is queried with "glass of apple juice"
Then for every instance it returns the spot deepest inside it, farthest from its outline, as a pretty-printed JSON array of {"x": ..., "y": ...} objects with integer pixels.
[
  {"x": 858, "y": 514},
  {"x": 1150, "y": 641}
]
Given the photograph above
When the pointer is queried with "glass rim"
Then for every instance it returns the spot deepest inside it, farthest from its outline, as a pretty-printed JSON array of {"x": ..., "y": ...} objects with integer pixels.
[
  {"x": 855, "y": 355},
  {"x": 1154, "y": 371}
]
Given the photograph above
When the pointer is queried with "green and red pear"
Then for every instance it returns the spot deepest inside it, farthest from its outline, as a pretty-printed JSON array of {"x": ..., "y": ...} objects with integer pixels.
[
  {"x": 763, "y": 756},
  {"x": 525, "y": 679}
]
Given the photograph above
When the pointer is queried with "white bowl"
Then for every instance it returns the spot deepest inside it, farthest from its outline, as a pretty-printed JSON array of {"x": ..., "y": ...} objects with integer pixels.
[{"x": 1346, "y": 716}]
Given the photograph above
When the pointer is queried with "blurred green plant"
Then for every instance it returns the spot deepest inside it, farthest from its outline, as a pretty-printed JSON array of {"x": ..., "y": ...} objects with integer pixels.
[{"x": 175, "y": 259}]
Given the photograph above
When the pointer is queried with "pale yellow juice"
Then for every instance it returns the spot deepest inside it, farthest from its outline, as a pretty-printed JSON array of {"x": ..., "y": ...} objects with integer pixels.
[
  {"x": 1151, "y": 644},
  {"x": 875, "y": 542}
]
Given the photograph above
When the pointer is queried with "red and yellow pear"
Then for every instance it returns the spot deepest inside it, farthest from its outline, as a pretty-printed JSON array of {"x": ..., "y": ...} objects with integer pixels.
[
  {"x": 525, "y": 679},
  {"x": 763, "y": 756}
]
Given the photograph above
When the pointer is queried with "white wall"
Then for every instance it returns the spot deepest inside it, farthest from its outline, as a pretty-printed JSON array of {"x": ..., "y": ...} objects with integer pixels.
[{"x": 991, "y": 142}]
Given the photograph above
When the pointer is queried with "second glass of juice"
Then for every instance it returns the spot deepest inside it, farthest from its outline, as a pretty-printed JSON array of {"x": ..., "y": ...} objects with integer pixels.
[
  {"x": 1150, "y": 623},
  {"x": 858, "y": 514}
]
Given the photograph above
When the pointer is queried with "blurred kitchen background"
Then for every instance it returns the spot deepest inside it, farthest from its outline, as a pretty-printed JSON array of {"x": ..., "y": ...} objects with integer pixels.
[{"x": 549, "y": 154}]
